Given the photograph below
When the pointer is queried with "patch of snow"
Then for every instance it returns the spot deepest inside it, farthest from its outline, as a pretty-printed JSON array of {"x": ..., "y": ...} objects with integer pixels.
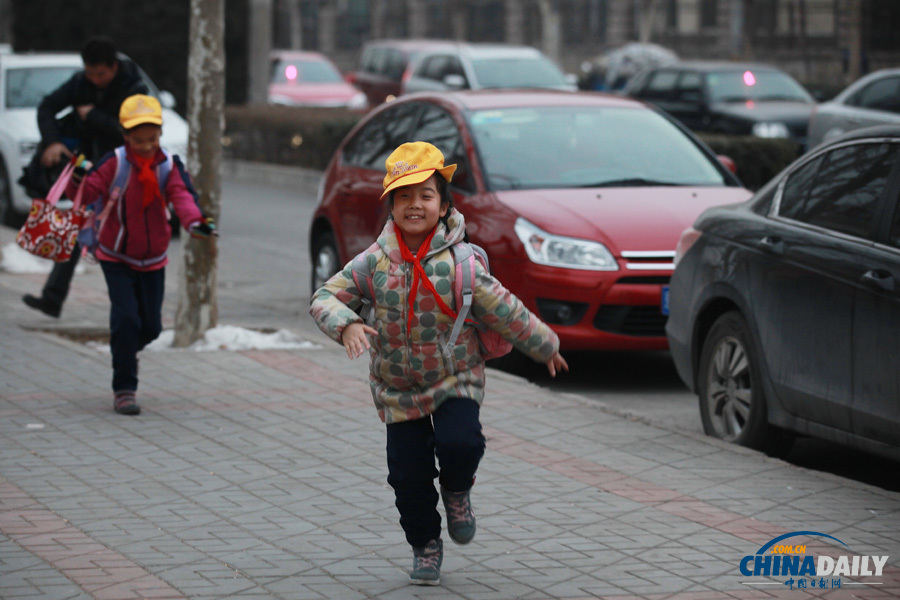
[
  {"x": 17, "y": 260},
  {"x": 229, "y": 337}
]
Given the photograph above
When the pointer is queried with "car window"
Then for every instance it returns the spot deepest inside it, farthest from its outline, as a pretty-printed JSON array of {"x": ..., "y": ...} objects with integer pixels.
[
  {"x": 25, "y": 88},
  {"x": 895, "y": 224},
  {"x": 436, "y": 67},
  {"x": 307, "y": 71},
  {"x": 690, "y": 87},
  {"x": 762, "y": 84},
  {"x": 436, "y": 126},
  {"x": 661, "y": 84},
  {"x": 517, "y": 72},
  {"x": 840, "y": 190},
  {"x": 568, "y": 147},
  {"x": 367, "y": 63},
  {"x": 395, "y": 64},
  {"x": 373, "y": 143},
  {"x": 883, "y": 94}
]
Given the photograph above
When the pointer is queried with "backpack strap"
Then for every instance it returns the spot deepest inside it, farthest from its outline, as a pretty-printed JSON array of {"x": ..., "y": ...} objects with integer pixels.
[
  {"x": 362, "y": 278},
  {"x": 464, "y": 258},
  {"x": 123, "y": 172}
]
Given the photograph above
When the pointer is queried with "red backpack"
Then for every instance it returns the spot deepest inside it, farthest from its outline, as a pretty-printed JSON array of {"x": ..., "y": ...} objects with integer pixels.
[{"x": 491, "y": 343}]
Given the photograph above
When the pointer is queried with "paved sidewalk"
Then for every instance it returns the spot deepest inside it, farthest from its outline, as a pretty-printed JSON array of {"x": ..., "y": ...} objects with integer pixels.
[{"x": 261, "y": 474}]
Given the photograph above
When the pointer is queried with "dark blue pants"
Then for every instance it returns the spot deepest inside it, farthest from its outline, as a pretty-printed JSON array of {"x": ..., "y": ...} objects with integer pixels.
[
  {"x": 135, "y": 317},
  {"x": 58, "y": 282},
  {"x": 453, "y": 434}
]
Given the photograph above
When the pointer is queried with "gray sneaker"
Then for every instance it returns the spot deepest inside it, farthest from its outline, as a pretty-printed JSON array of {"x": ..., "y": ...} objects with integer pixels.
[
  {"x": 460, "y": 517},
  {"x": 427, "y": 564}
]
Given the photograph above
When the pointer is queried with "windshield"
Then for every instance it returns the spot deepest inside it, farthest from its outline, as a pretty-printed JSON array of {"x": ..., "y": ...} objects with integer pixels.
[
  {"x": 25, "y": 88},
  {"x": 305, "y": 71},
  {"x": 517, "y": 72},
  {"x": 740, "y": 86},
  {"x": 565, "y": 147}
]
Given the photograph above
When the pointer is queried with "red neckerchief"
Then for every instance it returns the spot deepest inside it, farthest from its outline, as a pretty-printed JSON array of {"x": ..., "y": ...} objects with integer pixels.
[
  {"x": 147, "y": 177},
  {"x": 419, "y": 274}
]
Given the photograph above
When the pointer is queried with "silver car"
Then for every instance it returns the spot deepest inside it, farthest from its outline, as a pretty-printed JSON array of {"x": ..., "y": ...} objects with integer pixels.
[
  {"x": 24, "y": 81},
  {"x": 871, "y": 100},
  {"x": 462, "y": 66}
]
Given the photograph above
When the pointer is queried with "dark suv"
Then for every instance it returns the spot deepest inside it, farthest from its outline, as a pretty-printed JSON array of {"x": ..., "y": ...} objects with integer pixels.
[
  {"x": 382, "y": 65},
  {"x": 727, "y": 97}
]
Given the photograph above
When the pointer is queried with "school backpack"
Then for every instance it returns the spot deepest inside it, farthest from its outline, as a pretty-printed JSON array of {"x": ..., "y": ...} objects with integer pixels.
[
  {"x": 89, "y": 236},
  {"x": 491, "y": 343}
]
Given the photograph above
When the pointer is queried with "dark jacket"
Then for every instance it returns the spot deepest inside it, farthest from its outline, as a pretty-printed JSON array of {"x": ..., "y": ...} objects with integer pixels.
[{"x": 100, "y": 133}]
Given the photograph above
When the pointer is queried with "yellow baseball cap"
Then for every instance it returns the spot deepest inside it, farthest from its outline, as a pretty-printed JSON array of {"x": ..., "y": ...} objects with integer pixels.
[
  {"x": 140, "y": 109},
  {"x": 413, "y": 163}
]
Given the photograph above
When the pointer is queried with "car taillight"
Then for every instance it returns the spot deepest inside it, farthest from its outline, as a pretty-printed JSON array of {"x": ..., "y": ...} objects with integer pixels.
[{"x": 687, "y": 239}]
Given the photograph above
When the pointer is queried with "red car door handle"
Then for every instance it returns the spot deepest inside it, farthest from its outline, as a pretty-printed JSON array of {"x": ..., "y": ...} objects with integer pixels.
[{"x": 879, "y": 279}]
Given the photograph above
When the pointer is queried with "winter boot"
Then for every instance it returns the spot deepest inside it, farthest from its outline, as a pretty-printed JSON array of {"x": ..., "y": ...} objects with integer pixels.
[
  {"x": 460, "y": 517},
  {"x": 427, "y": 564}
]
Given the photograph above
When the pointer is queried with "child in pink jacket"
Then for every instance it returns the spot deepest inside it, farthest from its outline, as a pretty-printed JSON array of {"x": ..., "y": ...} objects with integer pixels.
[{"x": 134, "y": 236}]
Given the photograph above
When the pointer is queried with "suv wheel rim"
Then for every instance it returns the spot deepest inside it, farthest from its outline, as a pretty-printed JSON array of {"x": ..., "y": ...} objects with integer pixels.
[{"x": 729, "y": 392}]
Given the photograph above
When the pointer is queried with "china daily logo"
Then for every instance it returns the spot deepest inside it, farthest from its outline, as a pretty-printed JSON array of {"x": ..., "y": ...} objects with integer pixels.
[{"x": 784, "y": 558}]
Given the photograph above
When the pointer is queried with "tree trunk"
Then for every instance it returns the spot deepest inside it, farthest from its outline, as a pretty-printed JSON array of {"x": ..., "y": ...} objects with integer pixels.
[
  {"x": 259, "y": 46},
  {"x": 550, "y": 28},
  {"x": 197, "y": 308},
  {"x": 647, "y": 19},
  {"x": 296, "y": 19}
]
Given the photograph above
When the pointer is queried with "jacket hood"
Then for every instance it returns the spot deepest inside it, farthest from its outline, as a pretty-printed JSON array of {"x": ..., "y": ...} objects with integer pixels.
[{"x": 447, "y": 235}]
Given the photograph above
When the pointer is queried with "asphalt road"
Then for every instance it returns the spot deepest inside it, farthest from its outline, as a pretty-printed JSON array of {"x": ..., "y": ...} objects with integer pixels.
[{"x": 264, "y": 254}]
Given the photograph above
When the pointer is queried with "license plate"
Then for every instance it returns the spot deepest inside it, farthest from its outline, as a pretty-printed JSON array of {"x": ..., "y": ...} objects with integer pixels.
[{"x": 664, "y": 301}]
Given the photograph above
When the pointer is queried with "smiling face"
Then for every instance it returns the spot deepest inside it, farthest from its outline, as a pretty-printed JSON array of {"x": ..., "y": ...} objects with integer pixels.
[
  {"x": 416, "y": 210},
  {"x": 144, "y": 139}
]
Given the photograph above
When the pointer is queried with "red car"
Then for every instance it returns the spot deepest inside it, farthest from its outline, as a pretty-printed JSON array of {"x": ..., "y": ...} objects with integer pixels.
[
  {"x": 310, "y": 79},
  {"x": 578, "y": 198}
]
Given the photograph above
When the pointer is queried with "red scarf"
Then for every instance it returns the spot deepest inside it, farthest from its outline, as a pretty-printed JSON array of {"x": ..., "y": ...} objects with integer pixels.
[
  {"x": 147, "y": 177},
  {"x": 419, "y": 274}
]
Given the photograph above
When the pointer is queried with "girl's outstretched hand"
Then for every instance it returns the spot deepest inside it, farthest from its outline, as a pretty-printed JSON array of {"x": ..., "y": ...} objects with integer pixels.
[
  {"x": 557, "y": 363},
  {"x": 355, "y": 340}
]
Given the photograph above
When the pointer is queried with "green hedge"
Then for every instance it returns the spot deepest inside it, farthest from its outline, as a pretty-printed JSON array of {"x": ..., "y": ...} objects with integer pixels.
[
  {"x": 757, "y": 159},
  {"x": 297, "y": 136},
  {"x": 308, "y": 137}
]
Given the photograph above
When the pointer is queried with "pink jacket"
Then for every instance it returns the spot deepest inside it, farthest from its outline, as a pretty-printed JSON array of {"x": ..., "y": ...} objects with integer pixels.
[{"x": 129, "y": 234}]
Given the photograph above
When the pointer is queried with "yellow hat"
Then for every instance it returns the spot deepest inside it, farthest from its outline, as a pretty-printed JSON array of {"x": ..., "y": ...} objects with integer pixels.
[
  {"x": 413, "y": 163},
  {"x": 138, "y": 110}
]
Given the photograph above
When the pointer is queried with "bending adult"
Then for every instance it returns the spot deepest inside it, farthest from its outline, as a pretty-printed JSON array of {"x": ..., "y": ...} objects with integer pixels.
[{"x": 95, "y": 95}]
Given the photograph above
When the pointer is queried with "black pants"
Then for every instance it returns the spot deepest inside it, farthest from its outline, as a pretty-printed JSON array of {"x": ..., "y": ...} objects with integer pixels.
[
  {"x": 56, "y": 288},
  {"x": 135, "y": 317},
  {"x": 453, "y": 434}
]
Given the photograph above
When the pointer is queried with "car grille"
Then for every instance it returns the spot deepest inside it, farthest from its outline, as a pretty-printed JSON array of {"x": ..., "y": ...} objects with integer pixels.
[{"x": 641, "y": 321}]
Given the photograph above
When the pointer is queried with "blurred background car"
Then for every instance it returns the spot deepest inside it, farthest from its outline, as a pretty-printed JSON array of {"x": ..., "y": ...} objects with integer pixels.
[
  {"x": 870, "y": 100},
  {"x": 382, "y": 64},
  {"x": 24, "y": 81},
  {"x": 479, "y": 66},
  {"x": 578, "y": 199},
  {"x": 785, "y": 309},
  {"x": 730, "y": 98},
  {"x": 310, "y": 79}
]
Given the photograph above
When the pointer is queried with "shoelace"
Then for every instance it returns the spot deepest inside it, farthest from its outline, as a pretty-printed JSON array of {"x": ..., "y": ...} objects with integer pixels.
[
  {"x": 427, "y": 561},
  {"x": 459, "y": 509}
]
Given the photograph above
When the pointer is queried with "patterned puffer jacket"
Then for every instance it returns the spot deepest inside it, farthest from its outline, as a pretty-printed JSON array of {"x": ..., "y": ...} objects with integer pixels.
[{"x": 412, "y": 372}]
